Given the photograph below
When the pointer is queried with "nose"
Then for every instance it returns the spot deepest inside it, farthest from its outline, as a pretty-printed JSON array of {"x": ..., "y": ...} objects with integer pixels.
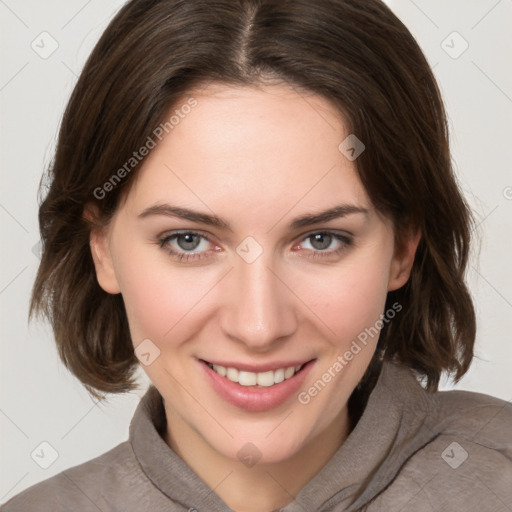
[{"x": 259, "y": 307}]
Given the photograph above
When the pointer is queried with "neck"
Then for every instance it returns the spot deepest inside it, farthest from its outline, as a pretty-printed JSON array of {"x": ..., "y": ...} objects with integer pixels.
[{"x": 261, "y": 487}]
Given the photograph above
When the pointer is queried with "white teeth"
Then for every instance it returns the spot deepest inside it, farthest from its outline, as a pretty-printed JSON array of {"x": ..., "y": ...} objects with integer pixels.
[
  {"x": 247, "y": 378},
  {"x": 289, "y": 372},
  {"x": 265, "y": 379},
  {"x": 279, "y": 376},
  {"x": 232, "y": 374},
  {"x": 221, "y": 370}
]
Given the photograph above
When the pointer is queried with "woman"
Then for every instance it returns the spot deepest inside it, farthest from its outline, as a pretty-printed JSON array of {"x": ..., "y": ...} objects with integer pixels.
[{"x": 254, "y": 200}]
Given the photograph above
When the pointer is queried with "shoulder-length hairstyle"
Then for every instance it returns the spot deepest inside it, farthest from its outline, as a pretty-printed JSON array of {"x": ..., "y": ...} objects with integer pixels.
[{"x": 357, "y": 54}]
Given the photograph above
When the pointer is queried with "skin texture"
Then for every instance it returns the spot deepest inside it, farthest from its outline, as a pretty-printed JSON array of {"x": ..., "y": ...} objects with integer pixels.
[{"x": 258, "y": 158}]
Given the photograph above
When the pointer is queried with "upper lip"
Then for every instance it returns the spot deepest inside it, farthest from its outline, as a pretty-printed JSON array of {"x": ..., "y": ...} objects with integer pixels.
[{"x": 258, "y": 368}]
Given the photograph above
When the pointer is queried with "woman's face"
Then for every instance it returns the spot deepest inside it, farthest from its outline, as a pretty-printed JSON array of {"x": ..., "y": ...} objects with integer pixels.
[{"x": 247, "y": 282}]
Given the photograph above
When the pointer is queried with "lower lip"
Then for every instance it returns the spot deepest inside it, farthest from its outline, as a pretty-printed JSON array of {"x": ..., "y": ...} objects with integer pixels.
[{"x": 252, "y": 398}]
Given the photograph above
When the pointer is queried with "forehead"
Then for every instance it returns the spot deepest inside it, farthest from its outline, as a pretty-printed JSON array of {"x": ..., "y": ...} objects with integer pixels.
[{"x": 250, "y": 148}]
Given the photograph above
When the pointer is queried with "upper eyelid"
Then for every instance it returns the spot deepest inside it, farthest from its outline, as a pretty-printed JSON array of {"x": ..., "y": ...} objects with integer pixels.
[{"x": 171, "y": 234}]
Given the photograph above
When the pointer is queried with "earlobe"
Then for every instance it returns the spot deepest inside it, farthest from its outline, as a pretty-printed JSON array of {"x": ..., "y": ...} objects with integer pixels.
[
  {"x": 101, "y": 255},
  {"x": 403, "y": 261}
]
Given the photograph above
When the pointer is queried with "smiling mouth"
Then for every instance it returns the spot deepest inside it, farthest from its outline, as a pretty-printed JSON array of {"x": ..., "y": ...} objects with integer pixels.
[{"x": 256, "y": 379}]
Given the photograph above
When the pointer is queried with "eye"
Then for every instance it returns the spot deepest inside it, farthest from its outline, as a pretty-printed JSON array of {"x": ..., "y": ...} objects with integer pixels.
[
  {"x": 181, "y": 244},
  {"x": 322, "y": 240}
]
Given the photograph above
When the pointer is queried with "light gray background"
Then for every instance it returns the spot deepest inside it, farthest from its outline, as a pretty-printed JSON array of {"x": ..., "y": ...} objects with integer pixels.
[{"x": 40, "y": 401}]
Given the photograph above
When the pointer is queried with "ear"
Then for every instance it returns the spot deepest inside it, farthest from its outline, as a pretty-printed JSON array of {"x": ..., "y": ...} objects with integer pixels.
[
  {"x": 403, "y": 259},
  {"x": 100, "y": 250}
]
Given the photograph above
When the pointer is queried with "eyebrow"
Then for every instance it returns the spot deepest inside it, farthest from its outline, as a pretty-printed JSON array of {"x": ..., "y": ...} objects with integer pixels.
[{"x": 213, "y": 220}]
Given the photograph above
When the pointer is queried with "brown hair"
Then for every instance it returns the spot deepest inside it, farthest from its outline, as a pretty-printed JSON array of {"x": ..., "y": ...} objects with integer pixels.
[{"x": 357, "y": 54}]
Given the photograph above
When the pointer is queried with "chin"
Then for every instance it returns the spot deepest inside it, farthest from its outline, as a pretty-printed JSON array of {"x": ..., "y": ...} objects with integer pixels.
[{"x": 271, "y": 443}]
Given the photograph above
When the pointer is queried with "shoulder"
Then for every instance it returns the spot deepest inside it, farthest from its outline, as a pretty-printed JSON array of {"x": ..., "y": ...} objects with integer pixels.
[
  {"x": 467, "y": 464},
  {"x": 85, "y": 487},
  {"x": 478, "y": 418}
]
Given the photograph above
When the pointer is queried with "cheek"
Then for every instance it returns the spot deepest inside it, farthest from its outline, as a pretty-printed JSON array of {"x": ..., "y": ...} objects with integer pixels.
[
  {"x": 351, "y": 306},
  {"x": 157, "y": 295},
  {"x": 351, "y": 299}
]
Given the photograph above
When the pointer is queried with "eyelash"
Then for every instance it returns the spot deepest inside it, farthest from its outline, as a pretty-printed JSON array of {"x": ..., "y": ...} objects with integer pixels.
[{"x": 163, "y": 242}]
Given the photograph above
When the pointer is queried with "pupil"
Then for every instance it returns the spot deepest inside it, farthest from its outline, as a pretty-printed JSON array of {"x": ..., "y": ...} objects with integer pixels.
[
  {"x": 189, "y": 243},
  {"x": 326, "y": 239}
]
